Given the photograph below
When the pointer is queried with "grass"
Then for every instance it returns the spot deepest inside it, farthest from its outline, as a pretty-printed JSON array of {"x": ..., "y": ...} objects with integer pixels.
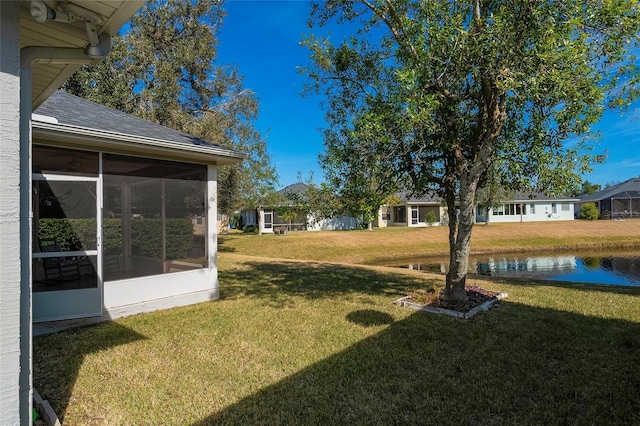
[
  {"x": 358, "y": 247},
  {"x": 310, "y": 342}
]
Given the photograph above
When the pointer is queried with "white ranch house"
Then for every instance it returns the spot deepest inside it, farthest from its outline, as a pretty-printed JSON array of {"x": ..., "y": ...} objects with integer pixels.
[
  {"x": 531, "y": 208},
  {"x": 270, "y": 221},
  {"x": 430, "y": 210}
]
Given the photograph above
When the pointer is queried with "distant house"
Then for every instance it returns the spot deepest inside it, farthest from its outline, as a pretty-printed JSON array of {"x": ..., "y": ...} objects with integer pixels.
[
  {"x": 430, "y": 210},
  {"x": 272, "y": 220},
  {"x": 530, "y": 208},
  {"x": 616, "y": 202},
  {"x": 413, "y": 212}
]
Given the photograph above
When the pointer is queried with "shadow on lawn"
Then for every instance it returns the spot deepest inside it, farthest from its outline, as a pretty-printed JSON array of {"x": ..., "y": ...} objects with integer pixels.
[
  {"x": 57, "y": 358},
  {"x": 516, "y": 364},
  {"x": 277, "y": 281}
]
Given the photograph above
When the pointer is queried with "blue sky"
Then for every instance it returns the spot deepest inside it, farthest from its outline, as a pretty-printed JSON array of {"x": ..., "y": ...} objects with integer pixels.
[{"x": 262, "y": 38}]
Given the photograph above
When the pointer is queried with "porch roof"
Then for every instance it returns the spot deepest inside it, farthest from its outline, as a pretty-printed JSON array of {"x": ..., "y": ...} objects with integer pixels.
[
  {"x": 69, "y": 121},
  {"x": 630, "y": 186}
]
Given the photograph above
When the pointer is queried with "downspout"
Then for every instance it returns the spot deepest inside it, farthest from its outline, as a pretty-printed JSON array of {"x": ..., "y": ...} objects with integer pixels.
[{"x": 29, "y": 56}]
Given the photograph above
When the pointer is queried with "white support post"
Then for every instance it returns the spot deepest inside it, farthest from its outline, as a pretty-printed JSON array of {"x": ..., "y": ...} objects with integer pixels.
[{"x": 212, "y": 226}]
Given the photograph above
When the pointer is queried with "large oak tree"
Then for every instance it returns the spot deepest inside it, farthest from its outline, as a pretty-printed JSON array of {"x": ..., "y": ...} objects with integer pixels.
[
  {"x": 449, "y": 89},
  {"x": 163, "y": 68}
]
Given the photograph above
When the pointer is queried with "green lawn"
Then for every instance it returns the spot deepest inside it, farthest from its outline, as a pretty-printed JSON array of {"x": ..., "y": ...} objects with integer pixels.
[{"x": 307, "y": 342}]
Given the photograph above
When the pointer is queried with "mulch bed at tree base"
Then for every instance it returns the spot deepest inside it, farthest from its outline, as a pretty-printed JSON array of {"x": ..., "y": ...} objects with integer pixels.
[{"x": 479, "y": 299}]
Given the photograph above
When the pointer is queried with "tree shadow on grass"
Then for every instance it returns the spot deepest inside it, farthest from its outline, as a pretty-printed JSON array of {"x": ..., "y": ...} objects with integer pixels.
[
  {"x": 278, "y": 281},
  {"x": 516, "y": 364},
  {"x": 223, "y": 244},
  {"x": 57, "y": 358}
]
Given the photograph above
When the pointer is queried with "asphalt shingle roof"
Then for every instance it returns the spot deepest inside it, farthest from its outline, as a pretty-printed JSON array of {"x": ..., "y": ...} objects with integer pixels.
[
  {"x": 627, "y": 189},
  {"x": 75, "y": 111}
]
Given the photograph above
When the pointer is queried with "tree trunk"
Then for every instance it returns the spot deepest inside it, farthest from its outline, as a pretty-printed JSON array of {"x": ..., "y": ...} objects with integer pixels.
[
  {"x": 460, "y": 243},
  {"x": 486, "y": 216},
  {"x": 370, "y": 225},
  {"x": 259, "y": 220}
]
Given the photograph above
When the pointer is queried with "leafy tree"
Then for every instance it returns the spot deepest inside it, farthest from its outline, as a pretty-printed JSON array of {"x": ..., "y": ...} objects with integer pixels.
[
  {"x": 322, "y": 202},
  {"x": 492, "y": 194},
  {"x": 589, "y": 188},
  {"x": 589, "y": 211},
  {"x": 356, "y": 164},
  {"x": 163, "y": 69},
  {"x": 445, "y": 89}
]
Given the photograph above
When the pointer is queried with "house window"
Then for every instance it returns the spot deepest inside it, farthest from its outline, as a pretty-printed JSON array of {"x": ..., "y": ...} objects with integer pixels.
[
  {"x": 564, "y": 207},
  {"x": 532, "y": 208},
  {"x": 521, "y": 209},
  {"x": 386, "y": 213},
  {"x": 554, "y": 208},
  {"x": 400, "y": 214},
  {"x": 428, "y": 214},
  {"x": 510, "y": 209},
  {"x": 498, "y": 210}
]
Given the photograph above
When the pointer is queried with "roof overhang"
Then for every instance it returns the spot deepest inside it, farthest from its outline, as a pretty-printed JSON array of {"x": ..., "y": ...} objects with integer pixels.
[
  {"x": 48, "y": 77},
  {"x": 67, "y": 136}
]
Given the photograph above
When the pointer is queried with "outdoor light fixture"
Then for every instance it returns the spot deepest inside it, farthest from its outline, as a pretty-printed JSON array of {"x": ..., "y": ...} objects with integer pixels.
[{"x": 68, "y": 12}]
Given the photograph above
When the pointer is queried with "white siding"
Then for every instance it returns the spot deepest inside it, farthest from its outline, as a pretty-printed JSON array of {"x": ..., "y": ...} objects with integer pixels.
[
  {"x": 543, "y": 212},
  {"x": 339, "y": 223},
  {"x": 15, "y": 371}
]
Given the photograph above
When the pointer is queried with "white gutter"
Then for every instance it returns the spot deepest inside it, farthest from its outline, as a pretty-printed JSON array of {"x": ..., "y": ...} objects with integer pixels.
[{"x": 122, "y": 142}]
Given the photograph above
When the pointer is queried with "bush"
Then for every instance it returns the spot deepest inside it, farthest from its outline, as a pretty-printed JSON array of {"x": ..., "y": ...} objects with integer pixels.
[
  {"x": 68, "y": 234},
  {"x": 589, "y": 211},
  {"x": 112, "y": 236},
  {"x": 430, "y": 217},
  {"x": 146, "y": 237},
  {"x": 250, "y": 229}
]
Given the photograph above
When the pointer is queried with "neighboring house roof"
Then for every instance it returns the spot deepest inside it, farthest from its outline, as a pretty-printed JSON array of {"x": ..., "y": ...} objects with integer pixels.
[
  {"x": 626, "y": 189},
  {"x": 67, "y": 114},
  {"x": 528, "y": 197},
  {"x": 298, "y": 188},
  {"x": 431, "y": 198},
  {"x": 407, "y": 197}
]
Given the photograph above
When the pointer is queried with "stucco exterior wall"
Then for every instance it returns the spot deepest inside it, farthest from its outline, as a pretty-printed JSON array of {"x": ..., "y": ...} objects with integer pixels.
[
  {"x": 543, "y": 213},
  {"x": 339, "y": 223},
  {"x": 14, "y": 398}
]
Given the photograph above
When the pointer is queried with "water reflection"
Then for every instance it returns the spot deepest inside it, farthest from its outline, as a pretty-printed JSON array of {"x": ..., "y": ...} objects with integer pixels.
[{"x": 613, "y": 270}]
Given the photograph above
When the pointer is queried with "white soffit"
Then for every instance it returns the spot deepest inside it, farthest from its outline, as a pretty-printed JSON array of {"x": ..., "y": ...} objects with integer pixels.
[{"x": 47, "y": 78}]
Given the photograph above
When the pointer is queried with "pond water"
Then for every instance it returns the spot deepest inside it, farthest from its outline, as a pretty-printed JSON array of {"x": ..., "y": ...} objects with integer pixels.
[{"x": 613, "y": 269}]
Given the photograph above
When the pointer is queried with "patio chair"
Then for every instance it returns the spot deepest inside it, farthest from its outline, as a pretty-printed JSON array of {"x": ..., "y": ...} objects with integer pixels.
[{"x": 59, "y": 269}]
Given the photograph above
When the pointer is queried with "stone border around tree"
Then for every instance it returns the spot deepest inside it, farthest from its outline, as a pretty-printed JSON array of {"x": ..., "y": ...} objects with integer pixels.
[{"x": 405, "y": 302}]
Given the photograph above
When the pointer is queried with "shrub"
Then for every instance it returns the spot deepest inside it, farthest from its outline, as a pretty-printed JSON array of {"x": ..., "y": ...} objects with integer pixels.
[
  {"x": 68, "y": 234},
  {"x": 250, "y": 229},
  {"x": 146, "y": 237},
  {"x": 112, "y": 236},
  {"x": 430, "y": 217},
  {"x": 588, "y": 211}
]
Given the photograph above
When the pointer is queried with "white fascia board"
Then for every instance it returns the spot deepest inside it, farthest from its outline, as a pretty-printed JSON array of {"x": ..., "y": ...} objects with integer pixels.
[{"x": 94, "y": 139}]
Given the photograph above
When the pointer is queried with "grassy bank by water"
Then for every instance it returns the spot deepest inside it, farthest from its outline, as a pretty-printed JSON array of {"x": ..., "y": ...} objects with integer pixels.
[
  {"x": 302, "y": 341},
  {"x": 362, "y": 247}
]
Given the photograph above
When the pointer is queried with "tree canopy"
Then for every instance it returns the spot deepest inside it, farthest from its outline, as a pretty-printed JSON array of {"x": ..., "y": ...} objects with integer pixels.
[
  {"x": 163, "y": 68},
  {"x": 447, "y": 91}
]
